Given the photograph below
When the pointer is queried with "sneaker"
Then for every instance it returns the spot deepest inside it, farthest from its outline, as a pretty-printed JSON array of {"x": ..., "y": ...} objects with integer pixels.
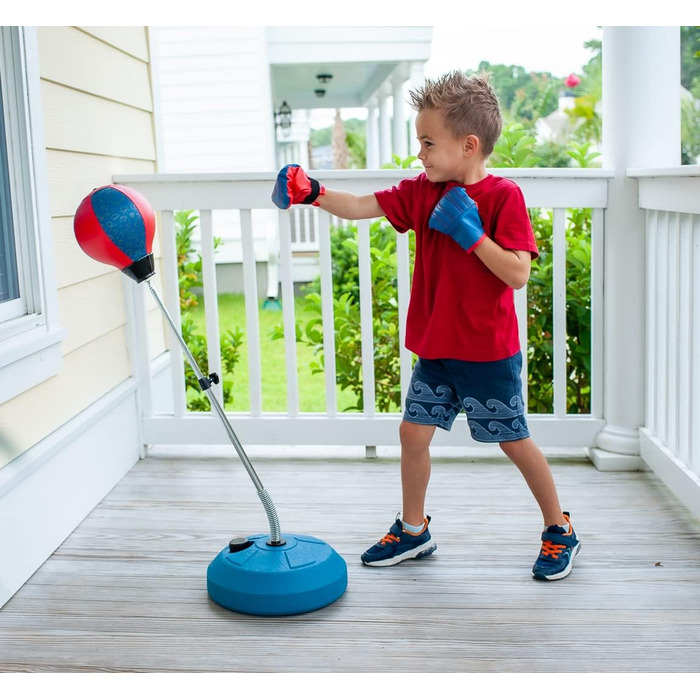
[
  {"x": 398, "y": 545},
  {"x": 559, "y": 548}
]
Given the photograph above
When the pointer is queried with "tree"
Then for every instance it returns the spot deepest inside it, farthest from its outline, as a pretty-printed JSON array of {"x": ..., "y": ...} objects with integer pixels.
[
  {"x": 355, "y": 140},
  {"x": 588, "y": 95},
  {"x": 690, "y": 57},
  {"x": 525, "y": 96},
  {"x": 690, "y": 80},
  {"x": 339, "y": 143}
]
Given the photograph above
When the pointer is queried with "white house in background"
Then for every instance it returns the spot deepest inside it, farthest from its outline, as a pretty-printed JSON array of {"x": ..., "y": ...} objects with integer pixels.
[
  {"x": 219, "y": 92},
  {"x": 557, "y": 126}
]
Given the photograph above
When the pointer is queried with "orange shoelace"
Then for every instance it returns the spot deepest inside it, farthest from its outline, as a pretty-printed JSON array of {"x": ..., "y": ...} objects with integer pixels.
[
  {"x": 389, "y": 537},
  {"x": 551, "y": 549}
]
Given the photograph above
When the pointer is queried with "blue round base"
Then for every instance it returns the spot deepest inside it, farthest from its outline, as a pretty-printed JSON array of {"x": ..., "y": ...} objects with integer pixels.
[{"x": 301, "y": 575}]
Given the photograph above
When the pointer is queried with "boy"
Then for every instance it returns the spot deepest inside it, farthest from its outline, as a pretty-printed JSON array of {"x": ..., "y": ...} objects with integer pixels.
[{"x": 474, "y": 246}]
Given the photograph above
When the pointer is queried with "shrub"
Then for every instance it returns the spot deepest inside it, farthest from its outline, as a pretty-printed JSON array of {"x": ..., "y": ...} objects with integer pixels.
[
  {"x": 578, "y": 314},
  {"x": 189, "y": 265},
  {"x": 346, "y": 309}
]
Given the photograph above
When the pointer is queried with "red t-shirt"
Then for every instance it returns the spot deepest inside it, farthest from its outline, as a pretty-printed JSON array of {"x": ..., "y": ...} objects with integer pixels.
[{"x": 459, "y": 309}]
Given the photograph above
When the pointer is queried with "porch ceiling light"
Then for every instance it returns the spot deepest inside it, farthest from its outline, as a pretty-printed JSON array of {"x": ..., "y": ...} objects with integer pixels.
[
  {"x": 324, "y": 78},
  {"x": 283, "y": 118},
  {"x": 319, "y": 92}
]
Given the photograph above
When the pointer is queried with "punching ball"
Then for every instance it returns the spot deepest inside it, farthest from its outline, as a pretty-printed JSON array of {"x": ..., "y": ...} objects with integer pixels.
[
  {"x": 116, "y": 225},
  {"x": 285, "y": 574}
]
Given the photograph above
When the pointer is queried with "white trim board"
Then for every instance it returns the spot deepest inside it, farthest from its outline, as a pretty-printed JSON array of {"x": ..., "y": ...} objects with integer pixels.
[
  {"x": 681, "y": 481},
  {"x": 48, "y": 490},
  {"x": 349, "y": 429}
]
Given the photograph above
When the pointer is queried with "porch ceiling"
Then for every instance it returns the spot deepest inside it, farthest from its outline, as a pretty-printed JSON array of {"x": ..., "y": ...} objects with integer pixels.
[
  {"x": 360, "y": 59},
  {"x": 352, "y": 84}
]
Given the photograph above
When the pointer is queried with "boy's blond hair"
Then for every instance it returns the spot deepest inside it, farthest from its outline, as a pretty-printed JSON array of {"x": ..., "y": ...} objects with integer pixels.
[{"x": 468, "y": 103}]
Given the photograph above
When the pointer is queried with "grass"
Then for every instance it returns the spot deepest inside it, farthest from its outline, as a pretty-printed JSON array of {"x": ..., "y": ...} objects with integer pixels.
[{"x": 311, "y": 387}]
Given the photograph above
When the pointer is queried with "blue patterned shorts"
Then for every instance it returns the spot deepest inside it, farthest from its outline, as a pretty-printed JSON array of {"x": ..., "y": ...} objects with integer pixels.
[{"x": 490, "y": 393}]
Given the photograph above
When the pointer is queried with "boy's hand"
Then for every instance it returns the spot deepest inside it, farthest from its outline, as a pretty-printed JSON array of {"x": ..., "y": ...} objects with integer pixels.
[
  {"x": 457, "y": 215},
  {"x": 294, "y": 186}
]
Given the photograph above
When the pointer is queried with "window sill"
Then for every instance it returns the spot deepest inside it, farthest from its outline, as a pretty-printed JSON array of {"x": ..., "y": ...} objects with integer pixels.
[{"x": 28, "y": 360}]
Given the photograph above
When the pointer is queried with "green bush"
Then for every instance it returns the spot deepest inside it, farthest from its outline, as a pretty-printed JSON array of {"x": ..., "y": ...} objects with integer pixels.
[
  {"x": 578, "y": 314},
  {"x": 189, "y": 265},
  {"x": 515, "y": 149},
  {"x": 346, "y": 309}
]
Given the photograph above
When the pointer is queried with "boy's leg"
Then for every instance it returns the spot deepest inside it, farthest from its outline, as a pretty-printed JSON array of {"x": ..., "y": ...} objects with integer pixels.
[
  {"x": 415, "y": 469},
  {"x": 535, "y": 469},
  {"x": 560, "y": 544},
  {"x": 409, "y": 537},
  {"x": 430, "y": 403}
]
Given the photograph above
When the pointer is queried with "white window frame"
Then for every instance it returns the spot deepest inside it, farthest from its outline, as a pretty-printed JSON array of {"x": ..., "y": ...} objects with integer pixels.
[{"x": 30, "y": 342}]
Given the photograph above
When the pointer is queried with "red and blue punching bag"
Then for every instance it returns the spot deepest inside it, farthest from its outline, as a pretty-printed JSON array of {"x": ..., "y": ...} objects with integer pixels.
[{"x": 116, "y": 225}]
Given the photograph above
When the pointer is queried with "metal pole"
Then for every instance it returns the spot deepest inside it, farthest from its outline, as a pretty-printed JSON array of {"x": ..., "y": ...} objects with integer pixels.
[{"x": 205, "y": 383}]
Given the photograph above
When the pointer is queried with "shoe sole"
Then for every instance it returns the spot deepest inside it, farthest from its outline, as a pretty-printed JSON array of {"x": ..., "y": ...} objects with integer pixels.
[
  {"x": 425, "y": 550},
  {"x": 561, "y": 574}
]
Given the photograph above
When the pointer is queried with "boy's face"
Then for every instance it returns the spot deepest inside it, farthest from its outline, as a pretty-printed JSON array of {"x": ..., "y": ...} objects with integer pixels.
[{"x": 444, "y": 157}]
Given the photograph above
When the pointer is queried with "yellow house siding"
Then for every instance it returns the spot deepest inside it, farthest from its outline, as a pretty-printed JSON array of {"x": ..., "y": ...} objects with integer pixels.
[
  {"x": 77, "y": 121},
  {"x": 98, "y": 121},
  {"x": 86, "y": 375},
  {"x": 70, "y": 172},
  {"x": 97, "y": 301},
  {"x": 125, "y": 39},
  {"x": 114, "y": 75}
]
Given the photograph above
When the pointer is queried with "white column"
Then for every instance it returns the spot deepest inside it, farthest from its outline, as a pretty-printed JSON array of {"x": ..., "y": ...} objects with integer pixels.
[
  {"x": 384, "y": 130},
  {"x": 399, "y": 133},
  {"x": 372, "y": 129},
  {"x": 641, "y": 127},
  {"x": 416, "y": 79}
]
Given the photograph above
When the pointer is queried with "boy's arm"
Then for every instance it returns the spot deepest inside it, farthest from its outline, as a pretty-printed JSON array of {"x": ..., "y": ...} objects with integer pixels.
[
  {"x": 457, "y": 215},
  {"x": 294, "y": 186},
  {"x": 350, "y": 206},
  {"x": 510, "y": 266}
]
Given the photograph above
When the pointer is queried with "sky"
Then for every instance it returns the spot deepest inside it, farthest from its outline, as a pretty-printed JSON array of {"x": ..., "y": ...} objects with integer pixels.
[{"x": 554, "y": 48}]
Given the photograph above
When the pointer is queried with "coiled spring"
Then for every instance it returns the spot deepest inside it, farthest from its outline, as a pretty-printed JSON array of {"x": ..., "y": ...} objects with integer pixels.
[{"x": 275, "y": 534}]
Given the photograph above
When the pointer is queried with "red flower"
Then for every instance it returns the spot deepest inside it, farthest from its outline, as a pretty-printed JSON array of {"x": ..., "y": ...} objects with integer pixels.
[{"x": 572, "y": 80}]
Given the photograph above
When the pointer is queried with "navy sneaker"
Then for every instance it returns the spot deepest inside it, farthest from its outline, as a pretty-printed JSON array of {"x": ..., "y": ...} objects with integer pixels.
[
  {"x": 398, "y": 545},
  {"x": 559, "y": 548}
]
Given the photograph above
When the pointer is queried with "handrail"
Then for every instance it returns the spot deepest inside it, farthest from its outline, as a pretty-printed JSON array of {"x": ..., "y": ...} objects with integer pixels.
[{"x": 556, "y": 189}]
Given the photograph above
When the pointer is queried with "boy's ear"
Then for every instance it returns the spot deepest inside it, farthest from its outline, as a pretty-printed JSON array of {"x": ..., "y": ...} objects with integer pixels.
[{"x": 471, "y": 144}]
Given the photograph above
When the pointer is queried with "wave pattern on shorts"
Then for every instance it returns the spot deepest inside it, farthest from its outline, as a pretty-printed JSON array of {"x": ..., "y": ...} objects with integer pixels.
[
  {"x": 496, "y": 422},
  {"x": 419, "y": 408}
]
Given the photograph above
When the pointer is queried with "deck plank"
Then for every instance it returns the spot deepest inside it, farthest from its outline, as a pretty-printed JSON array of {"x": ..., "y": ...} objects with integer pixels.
[{"x": 127, "y": 590}]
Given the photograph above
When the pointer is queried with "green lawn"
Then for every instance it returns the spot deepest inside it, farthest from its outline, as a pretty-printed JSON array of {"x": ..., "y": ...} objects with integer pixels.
[{"x": 311, "y": 387}]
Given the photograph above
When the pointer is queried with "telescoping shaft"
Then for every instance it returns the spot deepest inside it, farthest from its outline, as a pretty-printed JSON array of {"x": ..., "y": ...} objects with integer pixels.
[{"x": 205, "y": 383}]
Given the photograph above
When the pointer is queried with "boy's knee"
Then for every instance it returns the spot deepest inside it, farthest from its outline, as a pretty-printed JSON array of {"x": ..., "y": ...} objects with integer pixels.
[
  {"x": 415, "y": 435},
  {"x": 514, "y": 446}
]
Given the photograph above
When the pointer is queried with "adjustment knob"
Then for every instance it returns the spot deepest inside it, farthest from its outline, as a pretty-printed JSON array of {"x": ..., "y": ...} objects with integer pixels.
[{"x": 238, "y": 544}]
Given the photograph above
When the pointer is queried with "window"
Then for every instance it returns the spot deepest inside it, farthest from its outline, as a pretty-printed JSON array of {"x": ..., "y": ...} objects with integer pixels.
[
  {"x": 10, "y": 303},
  {"x": 29, "y": 332}
]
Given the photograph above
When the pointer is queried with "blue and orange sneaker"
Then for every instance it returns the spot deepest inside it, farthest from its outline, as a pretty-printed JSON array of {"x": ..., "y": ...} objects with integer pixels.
[
  {"x": 559, "y": 548},
  {"x": 398, "y": 545}
]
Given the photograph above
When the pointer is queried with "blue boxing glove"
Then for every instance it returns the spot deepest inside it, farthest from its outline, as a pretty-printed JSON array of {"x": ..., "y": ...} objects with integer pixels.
[
  {"x": 457, "y": 215},
  {"x": 294, "y": 186}
]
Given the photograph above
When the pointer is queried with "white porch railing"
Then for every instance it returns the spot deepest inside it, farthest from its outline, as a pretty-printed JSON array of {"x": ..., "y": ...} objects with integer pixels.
[
  {"x": 554, "y": 189},
  {"x": 670, "y": 439}
]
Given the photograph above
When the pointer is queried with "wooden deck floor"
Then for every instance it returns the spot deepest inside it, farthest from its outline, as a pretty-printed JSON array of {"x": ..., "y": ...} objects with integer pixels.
[{"x": 127, "y": 590}]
